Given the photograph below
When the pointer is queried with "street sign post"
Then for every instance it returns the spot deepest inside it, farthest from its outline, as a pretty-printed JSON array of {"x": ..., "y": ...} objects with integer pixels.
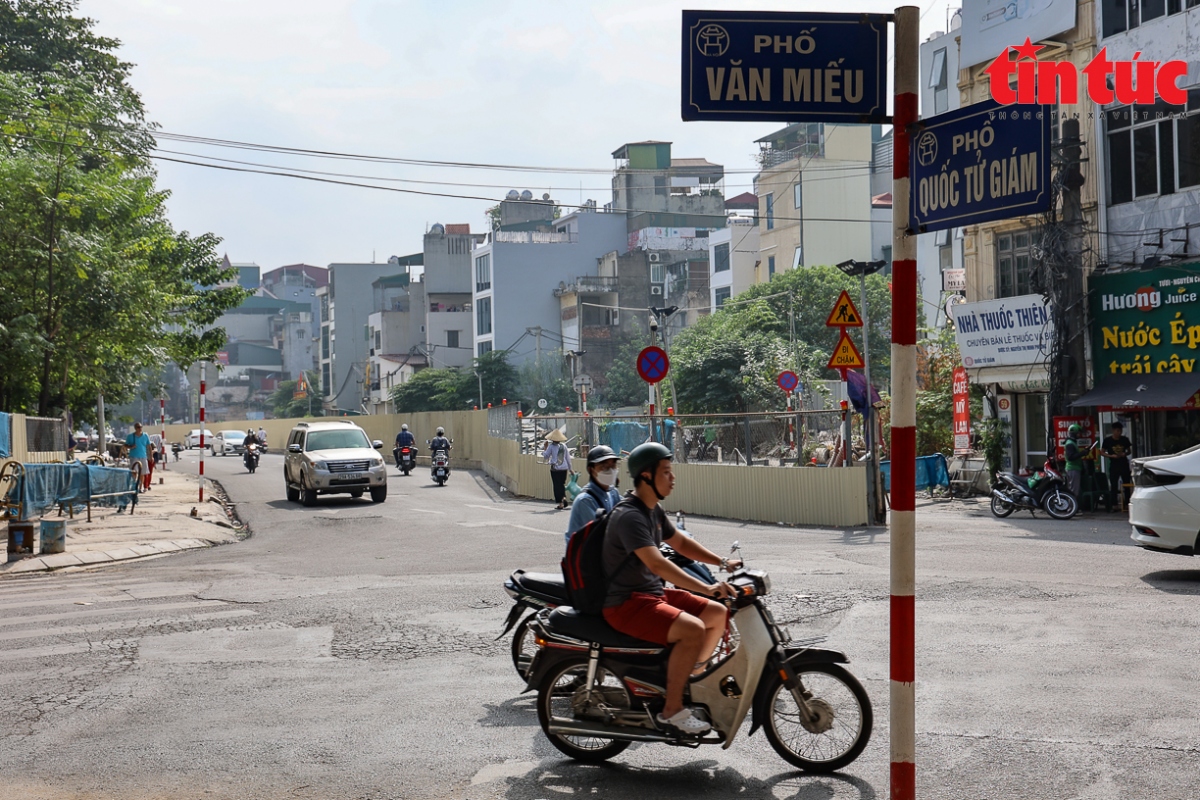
[
  {"x": 781, "y": 66},
  {"x": 979, "y": 163}
]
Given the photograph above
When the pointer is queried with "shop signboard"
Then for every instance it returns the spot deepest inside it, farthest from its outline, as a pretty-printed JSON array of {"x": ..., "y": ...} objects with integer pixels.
[
  {"x": 1085, "y": 440},
  {"x": 1146, "y": 322},
  {"x": 962, "y": 412},
  {"x": 1001, "y": 333}
]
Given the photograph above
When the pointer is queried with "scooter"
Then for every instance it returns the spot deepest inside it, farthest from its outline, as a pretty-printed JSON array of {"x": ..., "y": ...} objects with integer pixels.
[
  {"x": 176, "y": 449},
  {"x": 439, "y": 465},
  {"x": 250, "y": 457},
  {"x": 599, "y": 691},
  {"x": 406, "y": 458},
  {"x": 1045, "y": 490}
]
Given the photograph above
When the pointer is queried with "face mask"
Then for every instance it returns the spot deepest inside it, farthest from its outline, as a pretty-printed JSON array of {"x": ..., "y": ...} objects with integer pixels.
[{"x": 606, "y": 478}]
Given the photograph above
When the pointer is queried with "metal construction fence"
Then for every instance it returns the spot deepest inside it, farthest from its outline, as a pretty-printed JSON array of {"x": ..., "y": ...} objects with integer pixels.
[
  {"x": 763, "y": 439},
  {"x": 45, "y": 435}
]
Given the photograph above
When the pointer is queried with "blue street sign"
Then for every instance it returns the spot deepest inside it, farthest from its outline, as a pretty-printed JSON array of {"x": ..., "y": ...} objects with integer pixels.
[
  {"x": 773, "y": 66},
  {"x": 979, "y": 163},
  {"x": 652, "y": 364}
]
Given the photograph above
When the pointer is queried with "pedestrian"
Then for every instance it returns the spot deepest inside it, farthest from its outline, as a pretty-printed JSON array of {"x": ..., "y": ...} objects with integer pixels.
[
  {"x": 1118, "y": 449},
  {"x": 1074, "y": 460},
  {"x": 558, "y": 457},
  {"x": 139, "y": 449}
]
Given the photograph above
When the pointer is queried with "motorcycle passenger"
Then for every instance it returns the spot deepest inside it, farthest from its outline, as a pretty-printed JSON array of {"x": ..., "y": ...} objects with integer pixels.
[
  {"x": 439, "y": 442},
  {"x": 1074, "y": 460},
  {"x": 638, "y": 604},
  {"x": 600, "y": 492}
]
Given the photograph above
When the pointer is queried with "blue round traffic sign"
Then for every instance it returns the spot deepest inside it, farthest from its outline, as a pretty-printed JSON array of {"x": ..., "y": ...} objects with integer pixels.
[
  {"x": 788, "y": 380},
  {"x": 652, "y": 364}
]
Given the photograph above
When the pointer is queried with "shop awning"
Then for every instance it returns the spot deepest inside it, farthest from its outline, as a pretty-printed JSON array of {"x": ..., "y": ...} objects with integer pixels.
[{"x": 1157, "y": 390}]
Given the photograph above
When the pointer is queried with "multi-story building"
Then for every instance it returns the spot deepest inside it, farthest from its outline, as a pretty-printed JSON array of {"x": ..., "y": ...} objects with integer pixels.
[
  {"x": 447, "y": 291},
  {"x": 396, "y": 335},
  {"x": 733, "y": 258},
  {"x": 346, "y": 304},
  {"x": 814, "y": 194},
  {"x": 298, "y": 283}
]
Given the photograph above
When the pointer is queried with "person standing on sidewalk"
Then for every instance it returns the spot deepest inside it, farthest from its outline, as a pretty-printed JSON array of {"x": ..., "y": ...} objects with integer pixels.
[
  {"x": 1118, "y": 449},
  {"x": 139, "y": 450},
  {"x": 558, "y": 457},
  {"x": 1074, "y": 460}
]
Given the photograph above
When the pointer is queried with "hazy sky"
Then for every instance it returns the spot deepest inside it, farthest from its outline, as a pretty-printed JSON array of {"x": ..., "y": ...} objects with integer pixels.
[{"x": 545, "y": 84}]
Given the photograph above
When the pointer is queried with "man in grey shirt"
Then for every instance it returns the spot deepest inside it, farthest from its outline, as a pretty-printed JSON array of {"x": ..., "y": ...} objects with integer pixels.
[{"x": 638, "y": 604}]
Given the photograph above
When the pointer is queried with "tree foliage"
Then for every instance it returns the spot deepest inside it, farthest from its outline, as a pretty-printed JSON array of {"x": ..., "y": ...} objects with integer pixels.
[
  {"x": 98, "y": 285},
  {"x": 285, "y": 405},
  {"x": 622, "y": 385},
  {"x": 455, "y": 389}
]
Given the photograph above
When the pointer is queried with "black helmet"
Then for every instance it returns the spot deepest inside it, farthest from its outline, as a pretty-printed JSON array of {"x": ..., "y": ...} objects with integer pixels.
[
  {"x": 600, "y": 453},
  {"x": 646, "y": 457}
]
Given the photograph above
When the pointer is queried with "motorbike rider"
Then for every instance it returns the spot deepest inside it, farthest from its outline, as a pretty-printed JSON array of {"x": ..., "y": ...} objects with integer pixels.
[
  {"x": 639, "y": 605},
  {"x": 1073, "y": 457},
  {"x": 600, "y": 492},
  {"x": 404, "y": 439},
  {"x": 262, "y": 438},
  {"x": 251, "y": 438},
  {"x": 439, "y": 442}
]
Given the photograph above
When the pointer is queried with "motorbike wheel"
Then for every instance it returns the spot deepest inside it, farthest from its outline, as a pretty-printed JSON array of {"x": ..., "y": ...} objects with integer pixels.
[
  {"x": 523, "y": 647},
  {"x": 1060, "y": 504},
  {"x": 1001, "y": 508},
  {"x": 555, "y": 701},
  {"x": 846, "y": 716}
]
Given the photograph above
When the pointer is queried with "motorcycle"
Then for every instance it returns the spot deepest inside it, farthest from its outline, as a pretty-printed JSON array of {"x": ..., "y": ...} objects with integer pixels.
[
  {"x": 250, "y": 457},
  {"x": 406, "y": 458},
  {"x": 439, "y": 465},
  {"x": 176, "y": 449},
  {"x": 599, "y": 691},
  {"x": 1048, "y": 492},
  {"x": 534, "y": 591}
]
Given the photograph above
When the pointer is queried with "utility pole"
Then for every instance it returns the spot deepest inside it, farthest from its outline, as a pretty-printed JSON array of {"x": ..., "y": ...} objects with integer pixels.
[{"x": 1074, "y": 376}]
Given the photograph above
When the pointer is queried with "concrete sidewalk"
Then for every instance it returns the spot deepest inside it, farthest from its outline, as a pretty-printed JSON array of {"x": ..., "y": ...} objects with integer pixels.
[{"x": 168, "y": 518}]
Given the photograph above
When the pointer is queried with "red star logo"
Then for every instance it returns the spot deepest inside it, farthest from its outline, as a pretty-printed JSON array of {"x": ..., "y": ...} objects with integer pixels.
[{"x": 1028, "y": 50}]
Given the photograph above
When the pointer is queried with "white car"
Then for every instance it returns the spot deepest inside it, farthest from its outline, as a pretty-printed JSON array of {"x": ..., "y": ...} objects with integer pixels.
[
  {"x": 1165, "y": 507},
  {"x": 193, "y": 439},
  {"x": 229, "y": 442}
]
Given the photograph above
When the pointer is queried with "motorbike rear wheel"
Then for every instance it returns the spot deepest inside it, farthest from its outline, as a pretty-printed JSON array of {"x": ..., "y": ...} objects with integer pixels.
[
  {"x": 844, "y": 706},
  {"x": 523, "y": 646},
  {"x": 555, "y": 701},
  {"x": 1002, "y": 508},
  {"x": 1060, "y": 504}
]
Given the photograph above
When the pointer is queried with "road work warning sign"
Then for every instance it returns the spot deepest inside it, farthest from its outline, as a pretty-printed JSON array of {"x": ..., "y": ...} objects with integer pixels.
[
  {"x": 844, "y": 314},
  {"x": 845, "y": 355}
]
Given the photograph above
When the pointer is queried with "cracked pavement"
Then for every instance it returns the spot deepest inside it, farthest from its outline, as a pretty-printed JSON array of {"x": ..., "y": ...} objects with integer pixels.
[{"x": 349, "y": 651}]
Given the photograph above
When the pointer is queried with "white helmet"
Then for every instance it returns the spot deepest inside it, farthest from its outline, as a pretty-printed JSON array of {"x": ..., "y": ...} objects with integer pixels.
[
  {"x": 404, "y": 427},
  {"x": 441, "y": 430}
]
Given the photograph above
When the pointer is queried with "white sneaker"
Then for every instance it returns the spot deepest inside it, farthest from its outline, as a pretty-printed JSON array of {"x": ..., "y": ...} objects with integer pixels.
[{"x": 685, "y": 722}]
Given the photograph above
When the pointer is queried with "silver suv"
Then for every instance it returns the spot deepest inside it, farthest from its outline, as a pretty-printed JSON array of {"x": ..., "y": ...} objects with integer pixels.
[{"x": 334, "y": 457}]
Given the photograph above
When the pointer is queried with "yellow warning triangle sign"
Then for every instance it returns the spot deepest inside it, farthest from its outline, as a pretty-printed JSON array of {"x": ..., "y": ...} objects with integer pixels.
[
  {"x": 844, "y": 314},
  {"x": 845, "y": 355}
]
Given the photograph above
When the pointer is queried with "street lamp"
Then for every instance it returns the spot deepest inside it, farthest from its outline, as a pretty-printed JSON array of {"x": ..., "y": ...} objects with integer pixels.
[{"x": 862, "y": 269}]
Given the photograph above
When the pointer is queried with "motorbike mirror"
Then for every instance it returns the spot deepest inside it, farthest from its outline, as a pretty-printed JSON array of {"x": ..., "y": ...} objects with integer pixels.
[{"x": 733, "y": 548}]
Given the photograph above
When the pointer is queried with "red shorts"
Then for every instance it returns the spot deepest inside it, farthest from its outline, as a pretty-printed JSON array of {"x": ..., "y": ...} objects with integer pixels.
[{"x": 650, "y": 616}]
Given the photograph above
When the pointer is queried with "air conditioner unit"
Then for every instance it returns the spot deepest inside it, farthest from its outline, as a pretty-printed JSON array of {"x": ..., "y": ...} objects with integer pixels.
[
  {"x": 654, "y": 258},
  {"x": 655, "y": 290}
]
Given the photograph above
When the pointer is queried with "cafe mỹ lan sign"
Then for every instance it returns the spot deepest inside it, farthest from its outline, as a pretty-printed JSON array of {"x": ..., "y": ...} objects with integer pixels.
[{"x": 1146, "y": 331}]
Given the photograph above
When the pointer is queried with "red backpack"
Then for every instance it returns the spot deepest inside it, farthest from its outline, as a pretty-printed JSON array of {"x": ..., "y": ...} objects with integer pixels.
[{"x": 583, "y": 565}]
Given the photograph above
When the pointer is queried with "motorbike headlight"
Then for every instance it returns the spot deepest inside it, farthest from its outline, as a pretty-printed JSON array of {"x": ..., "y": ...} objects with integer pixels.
[{"x": 321, "y": 465}]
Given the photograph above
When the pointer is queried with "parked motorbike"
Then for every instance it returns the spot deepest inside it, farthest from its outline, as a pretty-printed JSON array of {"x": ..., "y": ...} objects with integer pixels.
[
  {"x": 439, "y": 465},
  {"x": 250, "y": 456},
  {"x": 406, "y": 458},
  {"x": 598, "y": 691},
  {"x": 1048, "y": 492},
  {"x": 176, "y": 449}
]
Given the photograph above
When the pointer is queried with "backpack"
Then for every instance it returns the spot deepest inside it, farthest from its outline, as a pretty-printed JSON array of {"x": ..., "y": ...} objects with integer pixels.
[{"x": 583, "y": 566}]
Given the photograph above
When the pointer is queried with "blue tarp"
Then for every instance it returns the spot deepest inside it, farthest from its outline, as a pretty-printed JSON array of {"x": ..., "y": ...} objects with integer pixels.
[
  {"x": 931, "y": 471},
  {"x": 5, "y": 435},
  {"x": 624, "y": 436},
  {"x": 44, "y": 486}
]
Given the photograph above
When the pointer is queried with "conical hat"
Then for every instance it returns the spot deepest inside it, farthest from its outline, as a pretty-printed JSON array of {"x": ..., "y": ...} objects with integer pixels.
[{"x": 556, "y": 436}]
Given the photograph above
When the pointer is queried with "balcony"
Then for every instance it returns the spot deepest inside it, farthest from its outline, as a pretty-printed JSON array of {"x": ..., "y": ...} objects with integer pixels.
[{"x": 772, "y": 158}]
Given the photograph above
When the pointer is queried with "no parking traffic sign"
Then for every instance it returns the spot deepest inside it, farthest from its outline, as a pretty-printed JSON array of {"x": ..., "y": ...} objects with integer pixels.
[
  {"x": 788, "y": 380},
  {"x": 652, "y": 364}
]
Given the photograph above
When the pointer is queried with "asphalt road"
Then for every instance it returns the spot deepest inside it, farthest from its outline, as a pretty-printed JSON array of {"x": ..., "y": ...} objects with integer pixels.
[{"x": 347, "y": 651}]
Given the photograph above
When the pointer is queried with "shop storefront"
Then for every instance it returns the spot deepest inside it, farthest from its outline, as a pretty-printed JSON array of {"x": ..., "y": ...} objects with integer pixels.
[
  {"x": 1146, "y": 356},
  {"x": 1004, "y": 346}
]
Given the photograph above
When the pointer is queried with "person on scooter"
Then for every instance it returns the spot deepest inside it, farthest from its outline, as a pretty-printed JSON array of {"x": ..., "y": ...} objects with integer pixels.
[
  {"x": 600, "y": 492},
  {"x": 403, "y": 439},
  {"x": 638, "y": 604},
  {"x": 440, "y": 442},
  {"x": 251, "y": 439}
]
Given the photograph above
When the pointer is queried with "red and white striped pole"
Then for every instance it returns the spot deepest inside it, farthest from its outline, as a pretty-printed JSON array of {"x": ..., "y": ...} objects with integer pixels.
[
  {"x": 904, "y": 415},
  {"x": 202, "y": 432},
  {"x": 162, "y": 423}
]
